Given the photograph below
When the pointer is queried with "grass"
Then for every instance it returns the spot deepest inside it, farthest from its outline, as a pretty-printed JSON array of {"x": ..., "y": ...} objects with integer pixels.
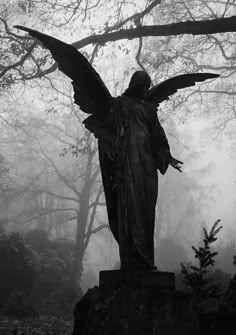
[{"x": 42, "y": 325}]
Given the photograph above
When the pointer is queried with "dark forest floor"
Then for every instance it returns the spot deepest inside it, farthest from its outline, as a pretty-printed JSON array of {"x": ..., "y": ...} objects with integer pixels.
[{"x": 41, "y": 325}]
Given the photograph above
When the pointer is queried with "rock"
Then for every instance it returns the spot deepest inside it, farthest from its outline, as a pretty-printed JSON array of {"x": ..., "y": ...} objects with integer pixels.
[{"x": 131, "y": 305}]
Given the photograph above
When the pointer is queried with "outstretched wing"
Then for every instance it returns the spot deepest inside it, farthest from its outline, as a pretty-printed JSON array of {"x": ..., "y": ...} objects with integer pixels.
[
  {"x": 162, "y": 91},
  {"x": 91, "y": 94}
]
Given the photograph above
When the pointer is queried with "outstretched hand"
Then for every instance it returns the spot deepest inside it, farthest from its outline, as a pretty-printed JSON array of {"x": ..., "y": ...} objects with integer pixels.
[{"x": 175, "y": 163}]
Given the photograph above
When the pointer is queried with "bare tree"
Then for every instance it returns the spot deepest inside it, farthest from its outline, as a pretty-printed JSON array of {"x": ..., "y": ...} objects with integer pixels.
[
  {"x": 55, "y": 186},
  {"x": 118, "y": 27}
]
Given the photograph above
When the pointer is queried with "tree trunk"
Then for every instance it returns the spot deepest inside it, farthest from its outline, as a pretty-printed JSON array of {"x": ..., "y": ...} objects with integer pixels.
[{"x": 82, "y": 219}]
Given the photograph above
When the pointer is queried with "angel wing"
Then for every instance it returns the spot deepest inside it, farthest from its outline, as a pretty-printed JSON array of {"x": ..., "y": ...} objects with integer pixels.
[
  {"x": 162, "y": 91},
  {"x": 90, "y": 92}
]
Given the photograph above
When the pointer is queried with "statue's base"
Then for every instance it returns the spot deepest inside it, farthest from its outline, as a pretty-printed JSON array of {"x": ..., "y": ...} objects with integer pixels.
[
  {"x": 137, "y": 303},
  {"x": 137, "y": 279}
]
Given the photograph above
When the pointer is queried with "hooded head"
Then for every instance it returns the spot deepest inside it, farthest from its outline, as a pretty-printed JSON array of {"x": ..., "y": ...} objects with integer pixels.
[{"x": 139, "y": 84}]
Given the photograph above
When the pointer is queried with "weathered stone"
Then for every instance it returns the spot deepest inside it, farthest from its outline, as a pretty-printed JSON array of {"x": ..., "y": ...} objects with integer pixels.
[
  {"x": 137, "y": 278},
  {"x": 126, "y": 306}
]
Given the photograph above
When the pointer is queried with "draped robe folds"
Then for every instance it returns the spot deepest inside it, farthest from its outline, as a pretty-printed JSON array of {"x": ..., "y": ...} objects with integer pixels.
[{"x": 130, "y": 155}]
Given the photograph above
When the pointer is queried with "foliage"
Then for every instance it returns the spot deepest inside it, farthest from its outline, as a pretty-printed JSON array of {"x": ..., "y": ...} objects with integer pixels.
[
  {"x": 229, "y": 300},
  {"x": 19, "y": 304},
  {"x": 17, "y": 270},
  {"x": 196, "y": 276},
  {"x": 53, "y": 287},
  {"x": 37, "y": 239},
  {"x": 53, "y": 262},
  {"x": 36, "y": 278},
  {"x": 213, "y": 289},
  {"x": 217, "y": 277}
]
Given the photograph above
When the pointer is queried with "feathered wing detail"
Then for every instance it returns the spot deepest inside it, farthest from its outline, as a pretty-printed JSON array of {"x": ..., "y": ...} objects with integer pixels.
[
  {"x": 162, "y": 91},
  {"x": 91, "y": 94}
]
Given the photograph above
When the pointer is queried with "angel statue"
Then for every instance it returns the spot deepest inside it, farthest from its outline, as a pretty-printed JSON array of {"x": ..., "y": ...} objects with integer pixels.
[{"x": 132, "y": 145}]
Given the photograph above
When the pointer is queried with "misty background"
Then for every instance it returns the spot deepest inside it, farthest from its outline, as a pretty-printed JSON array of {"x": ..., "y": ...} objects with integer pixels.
[{"x": 50, "y": 190}]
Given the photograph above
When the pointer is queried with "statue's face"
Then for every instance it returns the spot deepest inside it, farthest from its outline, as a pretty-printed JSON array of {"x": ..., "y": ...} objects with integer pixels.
[{"x": 140, "y": 78}]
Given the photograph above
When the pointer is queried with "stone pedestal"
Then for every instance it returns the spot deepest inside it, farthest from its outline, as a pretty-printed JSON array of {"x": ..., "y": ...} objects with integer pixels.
[
  {"x": 135, "y": 303},
  {"x": 137, "y": 279}
]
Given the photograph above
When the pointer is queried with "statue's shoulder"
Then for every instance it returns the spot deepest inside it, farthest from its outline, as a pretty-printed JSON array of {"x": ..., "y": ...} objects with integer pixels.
[
  {"x": 121, "y": 102},
  {"x": 130, "y": 103}
]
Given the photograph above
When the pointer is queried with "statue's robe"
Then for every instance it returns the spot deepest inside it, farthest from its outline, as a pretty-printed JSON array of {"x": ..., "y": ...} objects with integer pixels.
[{"x": 130, "y": 154}]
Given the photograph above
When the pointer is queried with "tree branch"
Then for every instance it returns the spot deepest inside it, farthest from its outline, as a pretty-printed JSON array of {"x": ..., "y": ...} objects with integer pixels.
[
  {"x": 63, "y": 178},
  {"x": 203, "y": 27},
  {"x": 137, "y": 16},
  {"x": 21, "y": 61},
  {"x": 92, "y": 217},
  {"x": 58, "y": 196},
  {"x": 215, "y": 26},
  {"x": 95, "y": 230},
  {"x": 48, "y": 212}
]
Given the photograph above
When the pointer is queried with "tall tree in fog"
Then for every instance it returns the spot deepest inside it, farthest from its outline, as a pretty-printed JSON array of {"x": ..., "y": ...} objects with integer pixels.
[{"x": 56, "y": 175}]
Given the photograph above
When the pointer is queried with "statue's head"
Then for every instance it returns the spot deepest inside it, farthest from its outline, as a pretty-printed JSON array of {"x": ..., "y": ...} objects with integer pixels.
[
  {"x": 140, "y": 78},
  {"x": 139, "y": 84}
]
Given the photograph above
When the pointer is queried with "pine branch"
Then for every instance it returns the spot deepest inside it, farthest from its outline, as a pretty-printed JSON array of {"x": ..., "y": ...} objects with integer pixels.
[{"x": 195, "y": 276}]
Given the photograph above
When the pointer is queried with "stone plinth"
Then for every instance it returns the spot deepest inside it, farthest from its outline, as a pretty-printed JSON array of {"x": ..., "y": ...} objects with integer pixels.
[
  {"x": 137, "y": 303},
  {"x": 137, "y": 279}
]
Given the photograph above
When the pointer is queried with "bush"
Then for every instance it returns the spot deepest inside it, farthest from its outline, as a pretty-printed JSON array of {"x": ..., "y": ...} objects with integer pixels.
[
  {"x": 36, "y": 275},
  {"x": 17, "y": 266},
  {"x": 53, "y": 261},
  {"x": 37, "y": 239},
  {"x": 19, "y": 305},
  {"x": 197, "y": 276}
]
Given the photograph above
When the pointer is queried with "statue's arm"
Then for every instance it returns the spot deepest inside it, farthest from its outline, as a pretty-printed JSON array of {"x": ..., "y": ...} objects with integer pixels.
[
  {"x": 175, "y": 163},
  {"x": 161, "y": 148},
  {"x": 160, "y": 145}
]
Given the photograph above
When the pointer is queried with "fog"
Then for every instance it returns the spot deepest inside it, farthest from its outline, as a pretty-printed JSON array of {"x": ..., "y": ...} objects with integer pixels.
[{"x": 53, "y": 220}]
